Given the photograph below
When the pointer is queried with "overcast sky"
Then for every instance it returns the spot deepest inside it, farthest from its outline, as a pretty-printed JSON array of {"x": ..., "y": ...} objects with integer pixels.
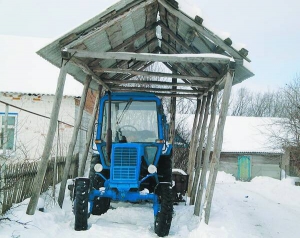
[{"x": 270, "y": 29}]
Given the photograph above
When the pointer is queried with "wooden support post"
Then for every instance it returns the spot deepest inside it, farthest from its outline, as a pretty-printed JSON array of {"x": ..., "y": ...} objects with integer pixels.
[
  {"x": 195, "y": 123},
  {"x": 172, "y": 116},
  {"x": 90, "y": 133},
  {"x": 209, "y": 139},
  {"x": 214, "y": 166},
  {"x": 199, "y": 155},
  {"x": 39, "y": 178},
  {"x": 193, "y": 151},
  {"x": 62, "y": 189},
  {"x": 55, "y": 163}
]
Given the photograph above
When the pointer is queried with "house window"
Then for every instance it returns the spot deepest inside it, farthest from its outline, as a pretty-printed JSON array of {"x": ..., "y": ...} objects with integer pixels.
[{"x": 11, "y": 130}]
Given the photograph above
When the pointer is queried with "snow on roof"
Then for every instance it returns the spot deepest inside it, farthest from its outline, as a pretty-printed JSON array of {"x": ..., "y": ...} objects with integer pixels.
[{"x": 244, "y": 134}]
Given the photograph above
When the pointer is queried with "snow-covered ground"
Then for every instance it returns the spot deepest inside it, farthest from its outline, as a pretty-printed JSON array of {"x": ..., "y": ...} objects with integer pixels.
[{"x": 264, "y": 207}]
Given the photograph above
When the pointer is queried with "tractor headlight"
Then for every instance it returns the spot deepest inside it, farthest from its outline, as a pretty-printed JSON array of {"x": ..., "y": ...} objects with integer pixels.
[
  {"x": 152, "y": 169},
  {"x": 98, "y": 167}
]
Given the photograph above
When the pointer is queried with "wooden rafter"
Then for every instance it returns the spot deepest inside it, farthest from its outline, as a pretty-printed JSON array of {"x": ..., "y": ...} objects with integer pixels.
[
  {"x": 153, "y": 83},
  {"x": 202, "y": 30},
  {"x": 154, "y": 74},
  {"x": 146, "y": 89},
  {"x": 129, "y": 41},
  {"x": 109, "y": 23},
  {"x": 79, "y": 63}
]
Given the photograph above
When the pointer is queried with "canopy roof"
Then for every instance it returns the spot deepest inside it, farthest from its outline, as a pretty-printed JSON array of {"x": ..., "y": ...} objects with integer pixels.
[{"x": 162, "y": 33}]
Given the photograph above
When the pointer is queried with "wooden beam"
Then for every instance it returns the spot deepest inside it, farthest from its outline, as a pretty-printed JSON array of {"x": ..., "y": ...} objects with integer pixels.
[
  {"x": 72, "y": 144},
  {"x": 202, "y": 30},
  {"x": 111, "y": 81},
  {"x": 193, "y": 147},
  {"x": 214, "y": 166},
  {"x": 171, "y": 67},
  {"x": 153, "y": 74},
  {"x": 79, "y": 63},
  {"x": 172, "y": 115},
  {"x": 210, "y": 134},
  {"x": 196, "y": 119},
  {"x": 119, "y": 88},
  {"x": 180, "y": 58},
  {"x": 200, "y": 146},
  {"x": 138, "y": 66},
  {"x": 178, "y": 95},
  {"x": 90, "y": 132},
  {"x": 39, "y": 178}
]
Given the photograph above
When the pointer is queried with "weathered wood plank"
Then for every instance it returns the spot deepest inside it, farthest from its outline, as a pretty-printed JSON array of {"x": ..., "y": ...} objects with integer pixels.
[
  {"x": 109, "y": 23},
  {"x": 209, "y": 139},
  {"x": 39, "y": 178},
  {"x": 214, "y": 166},
  {"x": 62, "y": 189},
  {"x": 90, "y": 133},
  {"x": 88, "y": 71},
  {"x": 193, "y": 148},
  {"x": 136, "y": 89},
  {"x": 154, "y": 74},
  {"x": 141, "y": 82},
  {"x": 199, "y": 154},
  {"x": 204, "y": 31},
  {"x": 180, "y": 58}
]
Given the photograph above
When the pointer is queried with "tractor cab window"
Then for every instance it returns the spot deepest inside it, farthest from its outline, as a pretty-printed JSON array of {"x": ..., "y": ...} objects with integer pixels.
[{"x": 131, "y": 121}]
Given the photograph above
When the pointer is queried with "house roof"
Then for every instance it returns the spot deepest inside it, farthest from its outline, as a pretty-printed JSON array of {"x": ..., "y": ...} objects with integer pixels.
[
  {"x": 246, "y": 134},
  {"x": 161, "y": 32}
]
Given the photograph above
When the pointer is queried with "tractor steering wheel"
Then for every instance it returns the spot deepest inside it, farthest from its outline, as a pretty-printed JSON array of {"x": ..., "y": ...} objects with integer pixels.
[{"x": 130, "y": 126}]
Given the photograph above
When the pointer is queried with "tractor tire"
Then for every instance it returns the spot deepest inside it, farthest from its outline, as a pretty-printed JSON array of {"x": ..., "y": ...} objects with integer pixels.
[
  {"x": 164, "y": 168},
  {"x": 81, "y": 203},
  {"x": 101, "y": 205},
  {"x": 163, "y": 219}
]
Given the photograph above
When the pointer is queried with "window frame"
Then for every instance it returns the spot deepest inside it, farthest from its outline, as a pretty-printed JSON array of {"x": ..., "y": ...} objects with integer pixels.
[{"x": 10, "y": 114}]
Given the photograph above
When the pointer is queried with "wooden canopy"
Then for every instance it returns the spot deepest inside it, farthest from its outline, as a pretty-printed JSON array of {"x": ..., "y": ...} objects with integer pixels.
[{"x": 125, "y": 39}]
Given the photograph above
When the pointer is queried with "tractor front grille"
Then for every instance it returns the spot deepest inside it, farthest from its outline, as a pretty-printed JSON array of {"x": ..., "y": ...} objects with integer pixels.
[{"x": 125, "y": 163}]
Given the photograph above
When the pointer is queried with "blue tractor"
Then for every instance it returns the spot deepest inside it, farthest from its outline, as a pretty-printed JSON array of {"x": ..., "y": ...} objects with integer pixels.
[{"x": 133, "y": 163}]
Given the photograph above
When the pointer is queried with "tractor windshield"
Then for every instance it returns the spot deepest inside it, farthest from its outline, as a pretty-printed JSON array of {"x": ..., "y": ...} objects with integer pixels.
[{"x": 131, "y": 121}]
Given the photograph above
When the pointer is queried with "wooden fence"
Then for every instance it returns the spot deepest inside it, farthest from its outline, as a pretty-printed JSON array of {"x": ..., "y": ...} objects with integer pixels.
[{"x": 17, "y": 179}]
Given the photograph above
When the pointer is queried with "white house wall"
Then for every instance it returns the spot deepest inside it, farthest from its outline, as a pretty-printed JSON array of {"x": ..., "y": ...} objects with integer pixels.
[{"x": 32, "y": 129}]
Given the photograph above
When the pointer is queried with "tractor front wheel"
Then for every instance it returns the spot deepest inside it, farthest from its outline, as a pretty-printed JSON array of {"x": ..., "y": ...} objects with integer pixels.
[
  {"x": 163, "y": 219},
  {"x": 81, "y": 203},
  {"x": 101, "y": 205}
]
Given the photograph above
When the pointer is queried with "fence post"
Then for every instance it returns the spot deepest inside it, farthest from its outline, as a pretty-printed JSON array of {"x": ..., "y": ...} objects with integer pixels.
[{"x": 2, "y": 169}]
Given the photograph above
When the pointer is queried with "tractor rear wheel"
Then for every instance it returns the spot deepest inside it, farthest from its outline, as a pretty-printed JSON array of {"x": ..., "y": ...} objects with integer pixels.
[
  {"x": 81, "y": 203},
  {"x": 163, "y": 219},
  {"x": 101, "y": 205}
]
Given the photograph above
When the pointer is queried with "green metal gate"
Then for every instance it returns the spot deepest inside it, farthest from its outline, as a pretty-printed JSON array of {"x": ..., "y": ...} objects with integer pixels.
[{"x": 244, "y": 168}]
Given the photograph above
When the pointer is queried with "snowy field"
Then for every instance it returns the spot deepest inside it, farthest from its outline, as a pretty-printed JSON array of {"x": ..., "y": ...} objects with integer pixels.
[{"x": 264, "y": 207}]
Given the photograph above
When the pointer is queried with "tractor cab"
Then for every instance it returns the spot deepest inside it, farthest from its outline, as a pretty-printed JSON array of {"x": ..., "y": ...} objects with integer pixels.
[{"x": 134, "y": 163}]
